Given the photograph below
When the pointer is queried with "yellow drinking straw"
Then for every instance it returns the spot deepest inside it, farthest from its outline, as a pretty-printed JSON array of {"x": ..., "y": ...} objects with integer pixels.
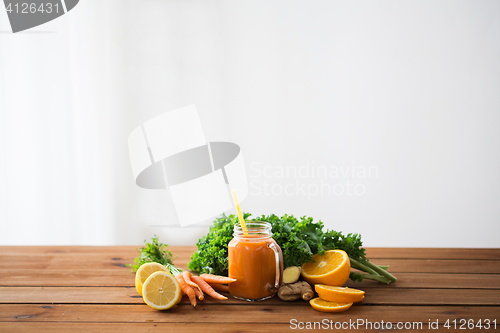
[{"x": 240, "y": 216}]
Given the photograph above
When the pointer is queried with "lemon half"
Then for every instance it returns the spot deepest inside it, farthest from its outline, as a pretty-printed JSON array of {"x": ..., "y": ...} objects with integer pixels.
[
  {"x": 161, "y": 291},
  {"x": 144, "y": 272}
]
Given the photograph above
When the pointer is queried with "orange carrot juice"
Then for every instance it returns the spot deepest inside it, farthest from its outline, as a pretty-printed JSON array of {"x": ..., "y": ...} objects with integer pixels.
[{"x": 252, "y": 262}]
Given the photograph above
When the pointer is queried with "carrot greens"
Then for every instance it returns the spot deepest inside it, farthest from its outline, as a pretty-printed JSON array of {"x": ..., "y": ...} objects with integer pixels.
[{"x": 155, "y": 252}]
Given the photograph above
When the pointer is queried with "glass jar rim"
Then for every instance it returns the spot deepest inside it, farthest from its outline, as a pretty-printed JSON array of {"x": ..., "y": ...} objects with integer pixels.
[{"x": 254, "y": 229}]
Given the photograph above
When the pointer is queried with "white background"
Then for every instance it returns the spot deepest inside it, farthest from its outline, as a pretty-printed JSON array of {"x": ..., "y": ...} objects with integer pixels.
[{"x": 411, "y": 88}]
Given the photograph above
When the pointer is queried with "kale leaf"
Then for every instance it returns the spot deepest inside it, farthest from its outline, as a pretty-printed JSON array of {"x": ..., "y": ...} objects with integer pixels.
[{"x": 299, "y": 240}]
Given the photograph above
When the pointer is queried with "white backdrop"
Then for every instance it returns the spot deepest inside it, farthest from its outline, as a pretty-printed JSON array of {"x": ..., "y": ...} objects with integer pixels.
[{"x": 377, "y": 117}]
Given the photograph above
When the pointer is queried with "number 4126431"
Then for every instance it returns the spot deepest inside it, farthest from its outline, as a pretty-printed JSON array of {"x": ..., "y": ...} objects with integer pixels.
[
  {"x": 26, "y": 8},
  {"x": 464, "y": 324}
]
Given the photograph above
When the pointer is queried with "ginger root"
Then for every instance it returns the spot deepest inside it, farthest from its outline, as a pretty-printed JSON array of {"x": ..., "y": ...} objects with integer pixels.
[
  {"x": 291, "y": 292},
  {"x": 291, "y": 274}
]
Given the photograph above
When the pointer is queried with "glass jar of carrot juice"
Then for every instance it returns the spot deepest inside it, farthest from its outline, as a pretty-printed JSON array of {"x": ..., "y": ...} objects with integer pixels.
[{"x": 255, "y": 261}]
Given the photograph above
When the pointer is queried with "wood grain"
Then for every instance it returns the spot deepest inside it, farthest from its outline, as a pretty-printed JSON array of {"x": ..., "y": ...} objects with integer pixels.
[
  {"x": 426, "y": 280},
  {"x": 89, "y": 289},
  {"x": 128, "y": 295},
  {"x": 41, "y": 327},
  {"x": 121, "y": 276},
  {"x": 206, "y": 313},
  {"x": 186, "y": 251},
  {"x": 459, "y": 266},
  {"x": 433, "y": 253},
  {"x": 77, "y": 327},
  {"x": 99, "y": 261}
]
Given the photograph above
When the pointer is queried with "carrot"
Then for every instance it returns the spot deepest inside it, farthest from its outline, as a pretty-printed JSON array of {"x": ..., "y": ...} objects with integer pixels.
[
  {"x": 199, "y": 294},
  {"x": 187, "y": 277},
  {"x": 220, "y": 287},
  {"x": 187, "y": 289},
  {"x": 210, "y": 278},
  {"x": 207, "y": 288}
]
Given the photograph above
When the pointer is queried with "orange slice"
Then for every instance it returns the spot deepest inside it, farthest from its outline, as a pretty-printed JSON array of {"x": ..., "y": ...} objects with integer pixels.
[
  {"x": 325, "y": 306},
  {"x": 332, "y": 268},
  {"x": 339, "y": 294}
]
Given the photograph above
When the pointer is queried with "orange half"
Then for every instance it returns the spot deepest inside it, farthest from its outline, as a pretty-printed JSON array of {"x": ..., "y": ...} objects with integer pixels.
[{"x": 332, "y": 268}]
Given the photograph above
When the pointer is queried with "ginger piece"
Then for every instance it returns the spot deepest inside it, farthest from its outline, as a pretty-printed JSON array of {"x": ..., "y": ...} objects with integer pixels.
[
  {"x": 291, "y": 292},
  {"x": 291, "y": 274}
]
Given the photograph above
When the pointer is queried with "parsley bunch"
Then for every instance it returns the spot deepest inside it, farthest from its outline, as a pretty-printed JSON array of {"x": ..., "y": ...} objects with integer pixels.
[
  {"x": 299, "y": 239},
  {"x": 155, "y": 252}
]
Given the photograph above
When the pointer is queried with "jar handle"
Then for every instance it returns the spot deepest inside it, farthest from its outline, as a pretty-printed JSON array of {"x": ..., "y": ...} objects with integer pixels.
[{"x": 279, "y": 267}]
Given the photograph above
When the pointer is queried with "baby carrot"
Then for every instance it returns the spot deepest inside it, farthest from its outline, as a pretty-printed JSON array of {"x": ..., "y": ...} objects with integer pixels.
[
  {"x": 187, "y": 277},
  {"x": 210, "y": 278},
  {"x": 199, "y": 294},
  {"x": 220, "y": 287},
  {"x": 207, "y": 288},
  {"x": 187, "y": 289}
]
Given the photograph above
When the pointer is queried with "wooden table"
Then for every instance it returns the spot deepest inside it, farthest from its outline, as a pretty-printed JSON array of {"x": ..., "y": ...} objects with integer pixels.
[{"x": 89, "y": 289}]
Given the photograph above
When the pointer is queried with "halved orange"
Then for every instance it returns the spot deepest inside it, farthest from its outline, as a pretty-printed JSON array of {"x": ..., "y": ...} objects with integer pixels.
[
  {"x": 339, "y": 294},
  {"x": 332, "y": 268},
  {"x": 326, "y": 306}
]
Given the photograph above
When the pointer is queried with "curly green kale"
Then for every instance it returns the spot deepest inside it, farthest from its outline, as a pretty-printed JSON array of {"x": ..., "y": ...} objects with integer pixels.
[
  {"x": 212, "y": 254},
  {"x": 299, "y": 240}
]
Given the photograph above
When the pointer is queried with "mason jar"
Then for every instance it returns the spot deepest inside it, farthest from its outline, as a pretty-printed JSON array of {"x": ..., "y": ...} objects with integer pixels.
[{"x": 255, "y": 261}]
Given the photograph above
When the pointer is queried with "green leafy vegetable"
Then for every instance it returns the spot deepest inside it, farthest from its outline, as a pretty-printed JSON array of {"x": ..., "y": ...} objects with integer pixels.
[
  {"x": 211, "y": 256},
  {"x": 299, "y": 240},
  {"x": 155, "y": 252}
]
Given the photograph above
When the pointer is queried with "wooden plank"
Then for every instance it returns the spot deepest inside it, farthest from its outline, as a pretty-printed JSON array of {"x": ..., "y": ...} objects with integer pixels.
[
  {"x": 41, "y": 327},
  {"x": 431, "y": 280},
  {"x": 103, "y": 261},
  {"x": 92, "y": 295},
  {"x": 379, "y": 295},
  {"x": 258, "y": 313},
  {"x": 78, "y": 327},
  {"x": 186, "y": 251},
  {"x": 440, "y": 266},
  {"x": 70, "y": 261},
  {"x": 128, "y": 250},
  {"x": 121, "y": 276},
  {"x": 108, "y": 261},
  {"x": 63, "y": 261},
  {"x": 384, "y": 296},
  {"x": 67, "y": 277},
  {"x": 433, "y": 253}
]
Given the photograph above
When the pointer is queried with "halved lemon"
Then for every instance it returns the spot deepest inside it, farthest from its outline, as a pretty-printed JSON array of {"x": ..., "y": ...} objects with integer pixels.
[
  {"x": 161, "y": 290},
  {"x": 144, "y": 272},
  {"x": 332, "y": 268},
  {"x": 339, "y": 294},
  {"x": 326, "y": 306}
]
